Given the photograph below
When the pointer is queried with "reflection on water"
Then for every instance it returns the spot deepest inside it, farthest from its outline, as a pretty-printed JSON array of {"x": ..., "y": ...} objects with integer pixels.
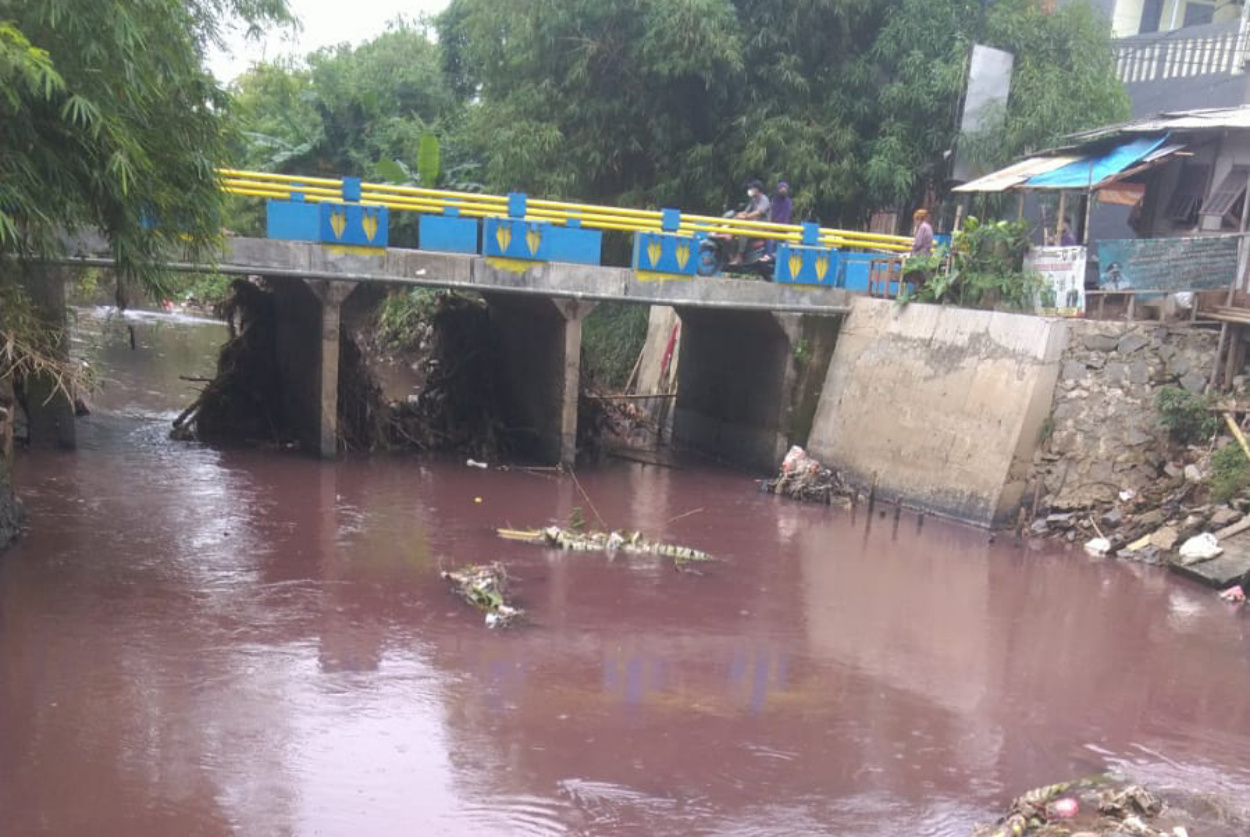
[{"x": 210, "y": 642}]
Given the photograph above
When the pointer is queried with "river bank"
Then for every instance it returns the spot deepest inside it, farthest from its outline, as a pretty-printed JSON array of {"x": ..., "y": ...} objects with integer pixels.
[{"x": 252, "y": 640}]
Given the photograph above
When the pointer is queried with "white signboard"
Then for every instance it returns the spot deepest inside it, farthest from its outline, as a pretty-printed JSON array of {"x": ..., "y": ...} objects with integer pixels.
[
  {"x": 985, "y": 104},
  {"x": 1063, "y": 275}
]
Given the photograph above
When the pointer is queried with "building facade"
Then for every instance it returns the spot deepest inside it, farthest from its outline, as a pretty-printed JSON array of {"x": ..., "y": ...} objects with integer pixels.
[{"x": 1179, "y": 54}]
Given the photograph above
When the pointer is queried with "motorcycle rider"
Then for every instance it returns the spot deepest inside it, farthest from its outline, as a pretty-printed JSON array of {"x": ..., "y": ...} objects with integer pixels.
[{"x": 757, "y": 209}]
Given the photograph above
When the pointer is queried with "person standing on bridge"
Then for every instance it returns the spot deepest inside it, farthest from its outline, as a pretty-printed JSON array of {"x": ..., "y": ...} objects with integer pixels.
[{"x": 922, "y": 244}]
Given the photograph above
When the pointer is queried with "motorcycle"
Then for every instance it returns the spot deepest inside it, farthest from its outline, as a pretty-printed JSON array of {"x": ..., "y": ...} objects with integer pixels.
[{"x": 718, "y": 249}]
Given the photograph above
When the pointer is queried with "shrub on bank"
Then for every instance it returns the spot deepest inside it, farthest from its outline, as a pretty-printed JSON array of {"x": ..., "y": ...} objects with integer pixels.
[
  {"x": 1187, "y": 417},
  {"x": 1229, "y": 473}
]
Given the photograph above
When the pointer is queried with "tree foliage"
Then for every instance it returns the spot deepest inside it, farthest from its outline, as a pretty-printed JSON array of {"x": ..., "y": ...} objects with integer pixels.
[
  {"x": 677, "y": 102},
  {"x": 109, "y": 123},
  {"x": 344, "y": 109}
]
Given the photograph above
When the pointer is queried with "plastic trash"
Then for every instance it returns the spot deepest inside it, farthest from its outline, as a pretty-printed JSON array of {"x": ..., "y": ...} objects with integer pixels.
[
  {"x": 1064, "y": 809},
  {"x": 1200, "y": 548},
  {"x": 1234, "y": 594},
  {"x": 1098, "y": 546},
  {"x": 473, "y": 463}
]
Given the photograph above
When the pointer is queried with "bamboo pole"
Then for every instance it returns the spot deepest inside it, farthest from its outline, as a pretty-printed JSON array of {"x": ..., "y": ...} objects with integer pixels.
[{"x": 1237, "y": 434}]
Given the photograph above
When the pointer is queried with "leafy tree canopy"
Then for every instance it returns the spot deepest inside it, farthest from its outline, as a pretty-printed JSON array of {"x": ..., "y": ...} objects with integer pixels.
[
  {"x": 108, "y": 122},
  {"x": 344, "y": 109},
  {"x": 677, "y": 102}
]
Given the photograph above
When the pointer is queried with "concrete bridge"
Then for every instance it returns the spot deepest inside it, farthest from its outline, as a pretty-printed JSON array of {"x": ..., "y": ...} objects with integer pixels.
[
  {"x": 537, "y": 265},
  {"x": 736, "y": 378}
]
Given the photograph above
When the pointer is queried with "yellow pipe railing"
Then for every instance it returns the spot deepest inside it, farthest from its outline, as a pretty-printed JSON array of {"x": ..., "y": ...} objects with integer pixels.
[{"x": 474, "y": 205}]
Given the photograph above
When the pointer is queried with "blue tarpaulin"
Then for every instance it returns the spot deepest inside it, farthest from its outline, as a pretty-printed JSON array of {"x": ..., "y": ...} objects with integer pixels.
[{"x": 1092, "y": 170}]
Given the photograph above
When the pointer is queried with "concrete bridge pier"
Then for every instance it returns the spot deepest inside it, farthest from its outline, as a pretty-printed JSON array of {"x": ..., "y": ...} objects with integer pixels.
[
  {"x": 748, "y": 382},
  {"x": 308, "y": 318},
  {"x": 540, "y": 341}
]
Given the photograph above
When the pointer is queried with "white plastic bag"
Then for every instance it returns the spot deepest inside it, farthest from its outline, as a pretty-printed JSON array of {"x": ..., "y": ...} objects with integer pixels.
[{"x": 1200, "y": 548}]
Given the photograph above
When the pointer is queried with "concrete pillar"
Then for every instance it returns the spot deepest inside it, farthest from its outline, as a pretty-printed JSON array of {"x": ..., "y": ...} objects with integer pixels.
[
  {"x": 49, "y": 412},
  {"x": 331, "y": 294},
  {"x": 540, "y": 341}
]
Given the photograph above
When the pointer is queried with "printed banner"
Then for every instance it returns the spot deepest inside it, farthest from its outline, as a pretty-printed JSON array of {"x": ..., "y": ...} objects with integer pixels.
[
  {"x": 1167, "y": 264},
  {"x": 1063, "y": 274}
]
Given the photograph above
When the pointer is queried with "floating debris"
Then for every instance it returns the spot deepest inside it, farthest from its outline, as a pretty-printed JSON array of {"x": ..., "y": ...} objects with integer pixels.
[
  {"x": 803, "y": 478},
  {"x": 485, "y": 586},
  {"x": 608, "y": 542},
  {"x": 1106, "y": 806}
]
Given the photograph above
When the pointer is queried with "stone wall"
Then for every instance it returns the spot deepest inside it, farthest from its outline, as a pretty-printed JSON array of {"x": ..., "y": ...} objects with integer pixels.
[{"x": 1104, "y": 435}]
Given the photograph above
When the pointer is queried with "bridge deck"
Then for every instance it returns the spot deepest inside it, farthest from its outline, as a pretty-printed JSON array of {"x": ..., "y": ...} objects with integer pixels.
[{"x": 302, "y": 260}]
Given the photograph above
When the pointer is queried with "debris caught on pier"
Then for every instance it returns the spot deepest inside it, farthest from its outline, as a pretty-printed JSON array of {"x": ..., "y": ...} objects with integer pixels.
[
  {"x": 240, "y": 403},
  {"x": 485, "y": 587},
  {"x": 607, "y": 542},
  {"x": 803, "y": 478}
]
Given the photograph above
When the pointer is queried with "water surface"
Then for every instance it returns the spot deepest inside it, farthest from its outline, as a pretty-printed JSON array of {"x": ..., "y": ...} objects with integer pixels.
[{"x": 203, "y": 642}]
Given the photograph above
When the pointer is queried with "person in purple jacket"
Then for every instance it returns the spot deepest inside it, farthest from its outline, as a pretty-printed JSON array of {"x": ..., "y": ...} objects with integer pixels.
[{"x": 781, "y": 210}]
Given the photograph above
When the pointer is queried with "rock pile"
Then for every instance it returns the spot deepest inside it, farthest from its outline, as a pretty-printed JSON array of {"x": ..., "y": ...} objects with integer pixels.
[{"x": 1150, "y": 525}]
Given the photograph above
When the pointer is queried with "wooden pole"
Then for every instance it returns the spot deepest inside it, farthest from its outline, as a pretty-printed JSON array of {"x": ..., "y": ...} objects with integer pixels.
[
  {"x": 1063, "y": 213},
  {"x": 1243, "y": 253}
]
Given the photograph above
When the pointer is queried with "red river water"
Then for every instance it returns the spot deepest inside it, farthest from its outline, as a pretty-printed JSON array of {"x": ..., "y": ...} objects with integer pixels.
[{"x": 203, "y": 642}]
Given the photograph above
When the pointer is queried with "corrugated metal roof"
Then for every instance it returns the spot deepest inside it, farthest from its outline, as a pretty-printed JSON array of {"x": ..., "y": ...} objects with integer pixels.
[
  {"x": 1015, "y": 174},
  {"x": 1208, "y": 119}
]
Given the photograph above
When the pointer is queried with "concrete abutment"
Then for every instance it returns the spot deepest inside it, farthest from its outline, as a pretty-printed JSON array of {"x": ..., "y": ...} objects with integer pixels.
[{"x": 940, "y": 407}]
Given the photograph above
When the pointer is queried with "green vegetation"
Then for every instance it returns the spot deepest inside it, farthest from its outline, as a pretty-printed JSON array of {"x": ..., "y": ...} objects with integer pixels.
[
  {"x": 108, "y": 122},
  {"x": 1185, "y": 415},
  {"x": 373, "y": 111},
  {"x": 207, "y": 289},
  {"x": 1230, "y": 473},
  {"x": 985, "y": 270},
  {"x": 404, "y": 316},
  {"x": 677, "y": 102},
  {"x": 612, "y": 337}
]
